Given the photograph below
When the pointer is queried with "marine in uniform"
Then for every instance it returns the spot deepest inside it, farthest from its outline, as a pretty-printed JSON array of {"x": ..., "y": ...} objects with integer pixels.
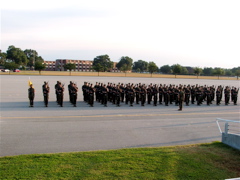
[
  {"x": 114, "y": 94},
  {"x": 227, "y": 95},
  {"x": 118, "y": 94},
  {"x": 160, "y": 96},
  {"x": 56, "y": 87},
  {"x": 235, "y": 95},
  {"x": 46, "y": 90},
  {"x": 155, "y": 94},
  {"x": 74, "y": 91},
  {"x": 137, "y": 93},
  {"x": 187, "y": 95},
  {"x": 91, "y": 91},
  {"x": 31, "y": 95},
  {"x": 126, "y": 93},
  {"x": 105, "y": 95},
  {"x": 218, "y": 96},
  {"x": 193, "y": 94},
  {"x": 199, "y": 96},
  {"x": 143, "y": 93},
  {"x": 96, "y": 87},
  {"x": 176, "y": 93},
  {"x": 70, "y": 86},
  {"x": 149, "y": 94},
  {"x": 60, "y": 94},
  {"x": 122, "y": 92},
  {"x": 208, "y": 95},
  {"x": 84, "y": 90},
  {"x": 181, "y": 98},
  {"x": 131, "y": 94},
  {"x": 166, "y": 95}
]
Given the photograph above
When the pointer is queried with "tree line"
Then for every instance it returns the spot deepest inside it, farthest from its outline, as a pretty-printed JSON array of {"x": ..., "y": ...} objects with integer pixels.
[
  {"x": 103, "y": 63},
  {"x": 15, "y": 58}
]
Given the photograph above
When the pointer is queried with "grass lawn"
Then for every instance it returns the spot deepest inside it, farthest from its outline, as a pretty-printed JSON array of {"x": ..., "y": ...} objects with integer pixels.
[
  {"x": 110, "y": 74},
  {"x": 201, "y": 161}
]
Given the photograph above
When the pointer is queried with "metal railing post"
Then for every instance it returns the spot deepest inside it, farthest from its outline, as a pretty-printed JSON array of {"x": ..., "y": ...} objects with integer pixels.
[{"x": 226, "y": 128}]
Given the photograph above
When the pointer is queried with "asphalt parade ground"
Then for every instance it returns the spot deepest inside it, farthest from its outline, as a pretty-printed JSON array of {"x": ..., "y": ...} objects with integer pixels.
[{"x": 25, "y": 130}]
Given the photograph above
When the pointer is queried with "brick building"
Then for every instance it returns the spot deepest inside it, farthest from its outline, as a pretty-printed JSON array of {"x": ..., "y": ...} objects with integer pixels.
[
  {"x": 50, "y": 65},
  {"x": 81, "y": 65}
]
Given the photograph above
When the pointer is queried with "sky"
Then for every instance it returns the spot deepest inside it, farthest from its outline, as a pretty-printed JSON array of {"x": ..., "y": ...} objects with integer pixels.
[{"x": 197, "y": 33}]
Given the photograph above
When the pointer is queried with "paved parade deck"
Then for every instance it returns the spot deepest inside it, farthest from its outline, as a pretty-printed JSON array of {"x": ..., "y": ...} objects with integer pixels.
[{"x": 53, "y": 129}]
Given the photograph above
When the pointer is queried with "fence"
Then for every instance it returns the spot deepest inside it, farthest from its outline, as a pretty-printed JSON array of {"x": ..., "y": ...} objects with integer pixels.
[{"x": 231, "y": 133}]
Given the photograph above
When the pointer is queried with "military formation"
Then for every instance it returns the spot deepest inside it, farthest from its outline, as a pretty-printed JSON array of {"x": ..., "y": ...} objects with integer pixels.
[
  {"x": 140, "y": 94},
  {"x": 157, "y": 94}
]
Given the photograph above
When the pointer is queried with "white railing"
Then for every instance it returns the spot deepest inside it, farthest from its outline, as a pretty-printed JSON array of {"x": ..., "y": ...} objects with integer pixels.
[{"x": 229, "y": 126}]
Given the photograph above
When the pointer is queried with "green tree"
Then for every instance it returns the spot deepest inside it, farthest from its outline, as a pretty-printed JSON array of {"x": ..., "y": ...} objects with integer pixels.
[
  {"x": 39, "y": 66},
  {"x": 218, "y": 72},
  {"x": 197, "y": 71},
  {"x": 17, "y": 55},
  {"x": 124, "y": 68},
  {"x": 3, "y": 58},
  {"x": 32, "y": 57},
  {"x": 98, "y": 67},
  {"x": 125, "y": 61},
  {"x": 70, "y": 67},
  {"x": 228, "y": 72},
  {"x": 237, "y": 73},
  {"x": 184, "y": 71},
  {"x": 140, "y": 66},
  {"x": 138, "y": 70},
  {"x": 177, "y": 69},
  {"x": 166, "y": 69},
  {"x": 104, "y": 61},
  {"x": 235, "y": 69},
  {"x": 152, "y": 67},
  {"x": 208, "y": 71},
  {"x": 11, "y": 66}
]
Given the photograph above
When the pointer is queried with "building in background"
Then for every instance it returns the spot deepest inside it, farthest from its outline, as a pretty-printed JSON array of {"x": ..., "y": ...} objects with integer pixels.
[
  {"x": 50, "y": 65},
  {"x": 81, "y": 65},
  {"x": 115, "y": 69}
]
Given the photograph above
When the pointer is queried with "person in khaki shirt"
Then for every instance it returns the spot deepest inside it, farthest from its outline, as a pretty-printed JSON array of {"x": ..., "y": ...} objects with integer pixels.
[{"x": 181, "y": 97}]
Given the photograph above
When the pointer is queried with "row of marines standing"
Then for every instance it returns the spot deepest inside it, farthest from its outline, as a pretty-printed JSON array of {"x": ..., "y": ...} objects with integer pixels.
[
  {"x": 139, "y": 93},
  {"x": 59, "y": 91},
  {"x": 158, "y": 94}
]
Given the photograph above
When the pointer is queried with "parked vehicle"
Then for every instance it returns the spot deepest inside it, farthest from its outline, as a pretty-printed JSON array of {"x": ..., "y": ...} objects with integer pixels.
[
  {"x": 5, "y": 70},
  {"x": 16, "y": 70}
]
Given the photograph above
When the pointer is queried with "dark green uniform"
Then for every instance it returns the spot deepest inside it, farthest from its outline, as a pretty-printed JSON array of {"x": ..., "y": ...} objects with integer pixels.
[
  {"x": 143, "y": 93},
  {"x": 46, "y": 90},
  {"x": 91, "y": 95},
  {"x": 181, "y": 98},
  {"x": 131, "y": 96},
  {"x": 218, "y": 96},
  {"x": 31, "y": 95},
  {"x": 160, "y": 96},
  {"x": 235, "y": 95},
  {"x": 60, "y": 91},
  {"x": 227, "y": 95},
  {"x": 74, "y": 90},
  {"x": 155, "y": 95}
]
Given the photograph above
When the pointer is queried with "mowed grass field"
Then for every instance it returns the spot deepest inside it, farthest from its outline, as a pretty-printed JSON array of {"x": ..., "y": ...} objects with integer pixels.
[
  {"x": 200, "y": 161},
  {"x": 114, "y": 74}
]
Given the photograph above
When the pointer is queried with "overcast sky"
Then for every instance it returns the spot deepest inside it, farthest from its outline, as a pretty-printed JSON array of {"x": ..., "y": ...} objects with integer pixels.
[{"x": 204, "y": 33}]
